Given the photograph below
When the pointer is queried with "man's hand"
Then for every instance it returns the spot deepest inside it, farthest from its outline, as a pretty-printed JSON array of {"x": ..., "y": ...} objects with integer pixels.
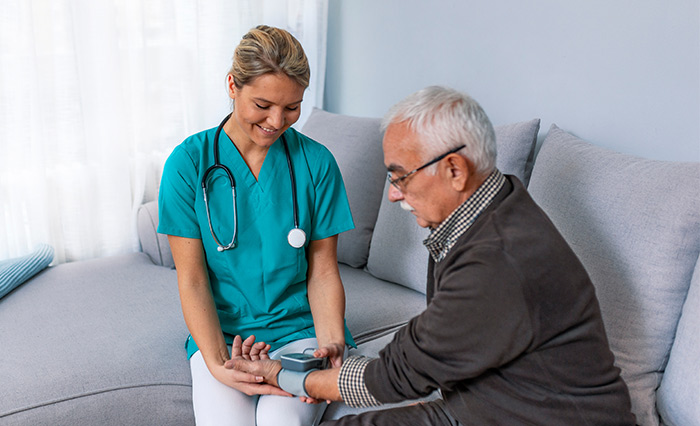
[
  {"x": 266, "y": 369},
  {"x": 246, "y": 382},
  {"x": 249, "y": 349},
  {"x": 252, "y": 359}
]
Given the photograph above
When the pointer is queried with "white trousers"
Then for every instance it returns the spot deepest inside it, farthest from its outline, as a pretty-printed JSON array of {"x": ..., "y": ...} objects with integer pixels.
[{"x": 218, "y": 404}]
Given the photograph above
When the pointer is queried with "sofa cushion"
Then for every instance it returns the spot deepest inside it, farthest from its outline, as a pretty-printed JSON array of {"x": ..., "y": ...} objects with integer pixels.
[
  {"x": 679, "y": 395},
  {"x": 516, "y": 148},
  {"x": 368, "y": 313},
  {"x": 14, "y": 272},
  {"x": 397, "y": 253},
  {"x": 92, "y": 341},
  {"x": 154, "y": 244},
  {"x": 635, "y": 225},
  {"x": 356, "y": 143}
]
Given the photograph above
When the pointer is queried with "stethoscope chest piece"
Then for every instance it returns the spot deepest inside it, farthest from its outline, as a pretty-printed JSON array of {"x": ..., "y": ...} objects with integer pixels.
[{"x": 296, "y": 238}]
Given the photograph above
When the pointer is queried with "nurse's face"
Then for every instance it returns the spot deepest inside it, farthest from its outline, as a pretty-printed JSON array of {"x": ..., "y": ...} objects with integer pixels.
[{"x": 264, "y": 109}]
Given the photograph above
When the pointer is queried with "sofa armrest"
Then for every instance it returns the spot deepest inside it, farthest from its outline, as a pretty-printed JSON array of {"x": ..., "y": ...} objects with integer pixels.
[{"x": 155, "y": 245}]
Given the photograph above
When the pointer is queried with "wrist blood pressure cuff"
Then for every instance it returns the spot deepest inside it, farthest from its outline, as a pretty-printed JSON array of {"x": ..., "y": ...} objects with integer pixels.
[{"x": 293, "y": 381}]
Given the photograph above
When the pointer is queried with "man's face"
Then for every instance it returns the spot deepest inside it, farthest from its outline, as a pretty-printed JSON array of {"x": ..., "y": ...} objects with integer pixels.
[{"x": 425, "y": 195}]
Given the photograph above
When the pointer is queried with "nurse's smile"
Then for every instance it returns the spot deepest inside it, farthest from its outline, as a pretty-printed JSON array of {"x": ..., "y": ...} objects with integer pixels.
[
  {"x": 263, "y": 110},
  {"x": 267, "y": 131}
]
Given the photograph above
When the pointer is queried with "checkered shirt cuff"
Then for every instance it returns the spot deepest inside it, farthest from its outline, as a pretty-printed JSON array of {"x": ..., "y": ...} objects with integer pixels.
[{"x": 351, "y": 383}]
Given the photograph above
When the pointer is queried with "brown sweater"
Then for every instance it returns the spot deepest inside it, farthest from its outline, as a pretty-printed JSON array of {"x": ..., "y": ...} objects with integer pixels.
[{"x": 512, "y": 333}]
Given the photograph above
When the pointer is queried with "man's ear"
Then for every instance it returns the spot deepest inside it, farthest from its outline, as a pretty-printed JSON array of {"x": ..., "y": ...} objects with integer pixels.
[{"x": 458, "y": 170}]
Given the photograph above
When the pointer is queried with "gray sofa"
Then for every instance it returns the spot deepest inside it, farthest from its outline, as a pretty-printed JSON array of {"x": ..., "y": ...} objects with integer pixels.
[{"x": 101, "y": 341}]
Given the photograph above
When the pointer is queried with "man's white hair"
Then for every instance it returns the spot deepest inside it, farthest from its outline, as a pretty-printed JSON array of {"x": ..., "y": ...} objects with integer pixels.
[{"x": 445, "y": 119}]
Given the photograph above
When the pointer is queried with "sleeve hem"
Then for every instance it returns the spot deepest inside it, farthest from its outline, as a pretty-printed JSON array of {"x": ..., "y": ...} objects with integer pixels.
[
  {"x": 351, "y": 383},
  {"x": 185, "y": 233},
  {"x": 331, "y": 232}
]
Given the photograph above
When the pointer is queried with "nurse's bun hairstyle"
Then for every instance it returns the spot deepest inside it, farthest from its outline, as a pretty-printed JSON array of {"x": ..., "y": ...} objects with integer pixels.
[{"x": 265, "y": 50}]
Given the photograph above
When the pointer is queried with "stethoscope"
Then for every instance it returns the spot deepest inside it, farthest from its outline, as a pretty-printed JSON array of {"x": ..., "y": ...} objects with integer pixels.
[{"x": 296, "y": 237}]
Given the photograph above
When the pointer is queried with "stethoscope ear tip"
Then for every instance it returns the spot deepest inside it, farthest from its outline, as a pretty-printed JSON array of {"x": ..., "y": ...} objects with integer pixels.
[{"x": 219, "y": 249}]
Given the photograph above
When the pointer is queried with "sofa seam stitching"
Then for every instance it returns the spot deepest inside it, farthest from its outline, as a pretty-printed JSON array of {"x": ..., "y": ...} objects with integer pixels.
[{"x": 89, "y": 394}]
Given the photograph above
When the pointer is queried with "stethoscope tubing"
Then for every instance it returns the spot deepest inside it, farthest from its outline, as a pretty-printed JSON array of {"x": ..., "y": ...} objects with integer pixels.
[
  {"x": 294, "y": 184},
  {"x": 296, "y": 237}
]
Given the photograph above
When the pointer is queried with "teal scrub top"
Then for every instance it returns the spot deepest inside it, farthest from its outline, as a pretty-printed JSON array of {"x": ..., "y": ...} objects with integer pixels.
[{"x": 259, "y": 287}]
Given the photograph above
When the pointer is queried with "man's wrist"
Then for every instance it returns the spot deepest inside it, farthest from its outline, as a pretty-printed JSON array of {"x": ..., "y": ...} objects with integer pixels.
[
  {"x": 293, "y": 382},
  {"x": 273, "y": 380}
]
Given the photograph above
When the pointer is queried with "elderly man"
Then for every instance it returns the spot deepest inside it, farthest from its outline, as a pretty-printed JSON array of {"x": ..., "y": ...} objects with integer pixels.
[{"x": 512, "y": 333}]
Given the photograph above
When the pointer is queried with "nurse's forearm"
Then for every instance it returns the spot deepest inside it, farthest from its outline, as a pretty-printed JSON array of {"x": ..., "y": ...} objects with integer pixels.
[
  {"x": 197, "y": 302},
  {"x": 327, "y": 300},
  {"x": 202, "y": 321},
  {"x": 325, "y": 292}
]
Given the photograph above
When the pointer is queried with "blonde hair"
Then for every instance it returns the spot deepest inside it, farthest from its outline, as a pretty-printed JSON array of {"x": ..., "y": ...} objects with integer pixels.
[{"x": 266, "y": 49}]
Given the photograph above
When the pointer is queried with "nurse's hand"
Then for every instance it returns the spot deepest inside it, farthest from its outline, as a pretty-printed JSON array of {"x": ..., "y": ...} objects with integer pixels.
[
  {"x": 334, "y": 352},
  {"x": 249, "y": 384}
]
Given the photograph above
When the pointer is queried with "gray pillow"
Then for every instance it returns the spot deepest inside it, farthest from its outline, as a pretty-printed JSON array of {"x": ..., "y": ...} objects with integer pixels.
[
  {"x": 635, "y": 225},
  {"x": 397, "y": 253},
  {"x": 680, "y": 388},
  {"x": 516, "y": 148},
  {"x": 356, "y": 144}
]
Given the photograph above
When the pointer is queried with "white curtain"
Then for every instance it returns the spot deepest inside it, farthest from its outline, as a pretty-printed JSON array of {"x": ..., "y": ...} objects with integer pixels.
[{"x": 95, "y": 94}]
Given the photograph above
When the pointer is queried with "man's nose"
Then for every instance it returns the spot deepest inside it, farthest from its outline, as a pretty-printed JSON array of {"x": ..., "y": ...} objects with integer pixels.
[{"x": 394, "y": 194}]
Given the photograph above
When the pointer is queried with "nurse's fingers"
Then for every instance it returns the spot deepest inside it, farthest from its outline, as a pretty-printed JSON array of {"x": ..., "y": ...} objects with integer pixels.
[
  {"x": 309, "y": 400},
  {"x": 264, "y": 389}
]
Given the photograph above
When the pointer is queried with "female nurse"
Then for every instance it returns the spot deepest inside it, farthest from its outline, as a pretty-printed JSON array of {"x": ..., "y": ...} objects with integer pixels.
[{"x": 290, "y": 299}]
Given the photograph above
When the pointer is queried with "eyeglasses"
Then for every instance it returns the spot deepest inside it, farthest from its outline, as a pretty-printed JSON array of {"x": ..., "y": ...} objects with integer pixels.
[{"x": 398, "y": 182}]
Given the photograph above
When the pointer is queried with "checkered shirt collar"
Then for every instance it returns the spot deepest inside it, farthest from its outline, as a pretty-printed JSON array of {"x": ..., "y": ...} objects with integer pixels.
[{"x": 444, "y": 237}]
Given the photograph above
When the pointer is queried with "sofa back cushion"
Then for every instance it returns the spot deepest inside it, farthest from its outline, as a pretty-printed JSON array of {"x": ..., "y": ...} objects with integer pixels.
[
  {"x": 397, "y": 253},
  {"x": 356, "y": 144},
  {"x": 679, "y": 394},
  {"x": 635, "y": 225},
  {"x": 155, "y": 245}
]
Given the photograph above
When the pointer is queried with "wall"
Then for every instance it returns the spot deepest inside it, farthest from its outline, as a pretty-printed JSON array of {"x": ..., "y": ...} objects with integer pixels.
[{"x": 624, "y": 74}]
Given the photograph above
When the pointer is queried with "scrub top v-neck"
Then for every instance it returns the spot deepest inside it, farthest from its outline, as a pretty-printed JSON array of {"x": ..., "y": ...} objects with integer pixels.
[{"x": 259, "y": 286}]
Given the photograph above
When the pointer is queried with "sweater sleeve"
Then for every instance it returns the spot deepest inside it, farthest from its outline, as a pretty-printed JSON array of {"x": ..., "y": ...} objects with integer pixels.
[{"x": 477, "y": 320}]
